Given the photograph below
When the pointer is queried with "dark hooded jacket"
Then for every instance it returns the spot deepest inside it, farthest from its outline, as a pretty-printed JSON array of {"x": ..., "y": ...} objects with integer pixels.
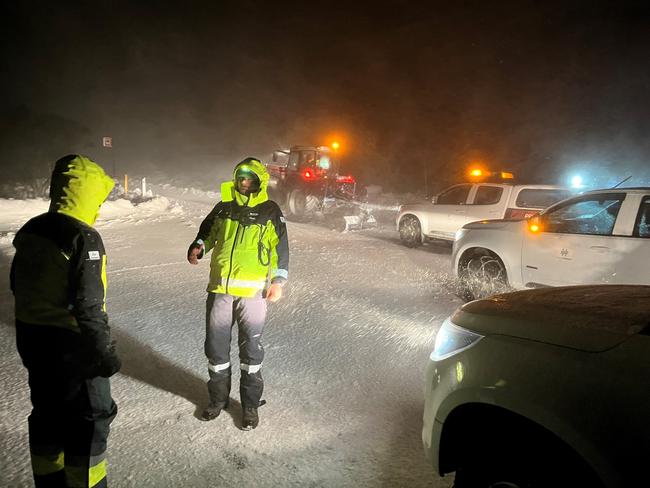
[{"x": 58, "y": 274}]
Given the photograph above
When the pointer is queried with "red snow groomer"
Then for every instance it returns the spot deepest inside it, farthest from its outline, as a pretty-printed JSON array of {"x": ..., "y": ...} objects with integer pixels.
[{"x": 305, "y": 181}]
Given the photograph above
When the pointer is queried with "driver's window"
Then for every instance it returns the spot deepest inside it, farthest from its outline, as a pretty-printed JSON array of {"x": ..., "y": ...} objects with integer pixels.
[
  {"x": 307, "y": 158},
  {"x": 642, "y": 228},
  {"x": 589, "y": 216},
  {"x": 456, "y": 195},
  {"x": 293, "y": 160},
  {"x": 488, "y": 195}
]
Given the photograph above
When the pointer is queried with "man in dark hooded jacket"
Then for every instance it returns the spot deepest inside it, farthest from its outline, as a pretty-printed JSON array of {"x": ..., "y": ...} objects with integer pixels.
[{"x": 58, "y": 277}]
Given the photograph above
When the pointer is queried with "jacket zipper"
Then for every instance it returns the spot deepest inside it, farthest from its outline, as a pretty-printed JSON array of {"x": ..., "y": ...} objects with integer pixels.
[{"x": 232, "y": 252}]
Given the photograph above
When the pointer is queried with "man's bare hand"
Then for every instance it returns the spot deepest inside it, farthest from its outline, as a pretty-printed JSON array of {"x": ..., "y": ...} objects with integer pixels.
[
  {"x": 194, "y": 253},
  {"x": 274, "y": 293}
]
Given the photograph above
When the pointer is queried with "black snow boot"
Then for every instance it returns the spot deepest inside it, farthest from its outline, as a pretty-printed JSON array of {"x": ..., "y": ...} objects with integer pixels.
[
  {"x": 219, "y": 391},
  {"x": 250, "y": 419},
  {"x": 251, "y": 387},
  {"x": 211, "y": 412}
]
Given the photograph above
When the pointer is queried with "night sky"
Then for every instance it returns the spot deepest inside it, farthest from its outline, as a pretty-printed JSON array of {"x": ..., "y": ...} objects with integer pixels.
[{"x": 411, "y": 89}]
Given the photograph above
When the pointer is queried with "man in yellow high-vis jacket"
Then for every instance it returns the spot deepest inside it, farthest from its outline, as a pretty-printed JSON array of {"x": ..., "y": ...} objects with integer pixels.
[
  {"x": 58, "y": 277},
  {"x": 247, "y": 235}
]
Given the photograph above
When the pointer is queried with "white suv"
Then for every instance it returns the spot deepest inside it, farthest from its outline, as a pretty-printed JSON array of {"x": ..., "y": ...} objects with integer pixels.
[
  {"x": 601, "y": 236},
  {"x": 460, "y": 204}
]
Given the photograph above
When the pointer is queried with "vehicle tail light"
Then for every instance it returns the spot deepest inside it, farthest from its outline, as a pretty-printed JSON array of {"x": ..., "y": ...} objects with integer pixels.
[
  {"x": 519, "y": 213},
  {"x": 345, "y": 179}
]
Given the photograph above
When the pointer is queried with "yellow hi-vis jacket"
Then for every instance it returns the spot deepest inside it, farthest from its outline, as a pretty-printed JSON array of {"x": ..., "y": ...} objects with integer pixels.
[{"x": 248, "y": 239}]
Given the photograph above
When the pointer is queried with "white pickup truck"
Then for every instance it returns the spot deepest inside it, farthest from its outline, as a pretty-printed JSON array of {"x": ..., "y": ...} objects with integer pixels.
[{"x": 469, "y": 202}]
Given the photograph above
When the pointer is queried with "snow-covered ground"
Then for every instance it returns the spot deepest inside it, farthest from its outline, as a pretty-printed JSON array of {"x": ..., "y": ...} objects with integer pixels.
[{"x": 345, "y": 354}]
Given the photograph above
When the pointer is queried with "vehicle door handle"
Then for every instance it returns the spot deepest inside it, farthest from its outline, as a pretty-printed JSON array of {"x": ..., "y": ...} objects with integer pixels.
[{"x": 599, "y": 248}]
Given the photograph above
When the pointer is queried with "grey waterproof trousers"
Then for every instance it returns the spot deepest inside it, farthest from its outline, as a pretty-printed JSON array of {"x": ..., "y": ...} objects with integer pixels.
[{"x": 222, "y": 312}]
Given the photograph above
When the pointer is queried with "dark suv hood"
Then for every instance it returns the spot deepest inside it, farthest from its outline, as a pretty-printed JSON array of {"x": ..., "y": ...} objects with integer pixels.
[{"x": 591, "y": 318}]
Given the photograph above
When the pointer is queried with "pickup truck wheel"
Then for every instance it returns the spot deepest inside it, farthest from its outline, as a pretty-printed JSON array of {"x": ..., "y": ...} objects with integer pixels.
[
  {"x": 410, "y": 231},
  {"x": 482, "y": 275}
]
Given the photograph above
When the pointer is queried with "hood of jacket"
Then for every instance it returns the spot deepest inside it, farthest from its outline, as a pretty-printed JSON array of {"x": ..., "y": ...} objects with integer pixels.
[
  {"x": 78, "y": 188},
  {"x": 230, "y": 193}
]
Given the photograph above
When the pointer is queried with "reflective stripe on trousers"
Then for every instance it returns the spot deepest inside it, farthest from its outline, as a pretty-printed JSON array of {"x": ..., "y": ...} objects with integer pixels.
[{"x": 57, "y": 470}]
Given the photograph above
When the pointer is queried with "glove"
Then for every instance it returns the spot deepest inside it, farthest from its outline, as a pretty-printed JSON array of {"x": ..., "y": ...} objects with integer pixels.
[
  {"x": 109, "y": 365},
  {"x": 104, "y": 364},
  {"x": 195, "y": 252}
]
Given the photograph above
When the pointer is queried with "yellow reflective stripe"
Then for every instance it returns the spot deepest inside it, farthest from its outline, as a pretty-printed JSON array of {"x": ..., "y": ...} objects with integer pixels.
[
  {"x": 79, "y": 477},
  {"x": 104, "y": 281},
  {"x": 43, "y": 464},
  {"x": 97, "y": 473}
]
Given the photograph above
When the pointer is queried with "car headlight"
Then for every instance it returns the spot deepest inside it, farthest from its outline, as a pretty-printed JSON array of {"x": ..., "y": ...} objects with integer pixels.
[{"x": 452, "y": 339}]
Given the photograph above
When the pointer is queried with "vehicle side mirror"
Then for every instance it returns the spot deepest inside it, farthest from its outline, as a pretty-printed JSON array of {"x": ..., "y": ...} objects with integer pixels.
[{"x": 275, "y": 157}]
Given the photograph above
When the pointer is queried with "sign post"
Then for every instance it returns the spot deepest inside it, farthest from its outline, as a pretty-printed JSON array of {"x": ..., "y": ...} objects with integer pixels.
[{"x": 107, "y": 142}]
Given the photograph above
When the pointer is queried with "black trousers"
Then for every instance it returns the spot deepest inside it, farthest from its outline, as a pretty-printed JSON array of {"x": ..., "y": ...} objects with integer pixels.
[{"x": 71, "y": 415}]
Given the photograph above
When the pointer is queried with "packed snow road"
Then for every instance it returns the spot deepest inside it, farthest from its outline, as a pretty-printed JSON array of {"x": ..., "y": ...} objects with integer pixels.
[{"x": 345, "y": 348}]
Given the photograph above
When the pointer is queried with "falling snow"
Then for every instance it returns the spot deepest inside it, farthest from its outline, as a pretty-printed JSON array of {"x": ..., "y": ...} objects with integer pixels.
[{"x": 345, "y": 353}]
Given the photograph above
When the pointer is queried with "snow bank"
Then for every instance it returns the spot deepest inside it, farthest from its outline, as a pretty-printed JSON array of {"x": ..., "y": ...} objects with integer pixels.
[
  {"x": 125, "y": 211},
  {"x": 186, "y": 193},
  {"x": 14, "y": 213}
]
